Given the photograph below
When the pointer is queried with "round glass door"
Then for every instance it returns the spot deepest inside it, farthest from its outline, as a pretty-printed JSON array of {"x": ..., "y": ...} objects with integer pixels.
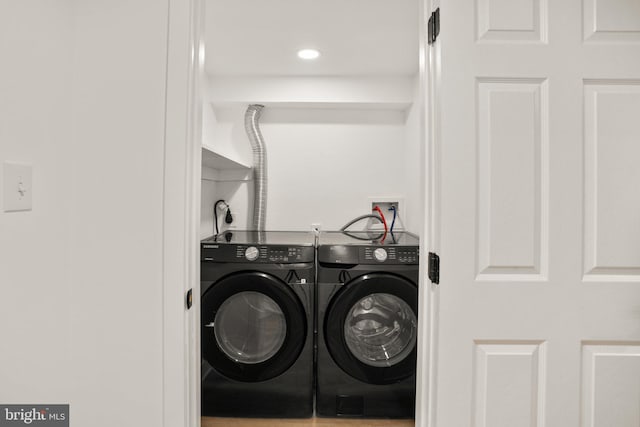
[
  {"x": 250, "y": 327},
  {"x": 380, "y": 330},
  {"x": 370, "y": 328},
  {"x": 254, "y": 326}
]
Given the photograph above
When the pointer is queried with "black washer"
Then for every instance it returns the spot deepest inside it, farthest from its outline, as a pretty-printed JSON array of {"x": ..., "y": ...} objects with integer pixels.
[
  {"x": 257, "y": 324},
  {"x": 367, "y": 307}
]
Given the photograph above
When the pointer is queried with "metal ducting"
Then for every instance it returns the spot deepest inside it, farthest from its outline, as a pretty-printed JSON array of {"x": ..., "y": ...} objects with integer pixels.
[{"x": 251, "y": 117}]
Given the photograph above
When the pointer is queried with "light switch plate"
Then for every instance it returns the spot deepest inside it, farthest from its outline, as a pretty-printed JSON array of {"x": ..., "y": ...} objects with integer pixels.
[{"x": 17, "y": 187}]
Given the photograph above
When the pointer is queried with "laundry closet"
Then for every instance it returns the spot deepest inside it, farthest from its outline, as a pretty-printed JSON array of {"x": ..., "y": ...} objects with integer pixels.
[{"x": 342, "y": 132}]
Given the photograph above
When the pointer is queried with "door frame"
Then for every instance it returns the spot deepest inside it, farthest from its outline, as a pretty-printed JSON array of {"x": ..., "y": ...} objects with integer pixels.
[
  {"x": 181, "y": 213},
  {"x": 426, "y": 368}
]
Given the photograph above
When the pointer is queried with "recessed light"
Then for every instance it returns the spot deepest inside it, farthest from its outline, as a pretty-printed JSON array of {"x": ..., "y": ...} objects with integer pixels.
[{"x": 308, "y": 54}]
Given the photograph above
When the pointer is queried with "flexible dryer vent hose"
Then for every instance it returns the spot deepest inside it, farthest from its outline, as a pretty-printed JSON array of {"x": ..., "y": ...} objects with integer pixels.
[{"x": 251, "y": 117}]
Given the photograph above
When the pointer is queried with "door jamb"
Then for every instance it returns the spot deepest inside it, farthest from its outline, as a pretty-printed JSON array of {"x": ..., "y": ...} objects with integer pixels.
[
  {"x": 181, "y": 214},
  {"x": 428, "y": 292}
]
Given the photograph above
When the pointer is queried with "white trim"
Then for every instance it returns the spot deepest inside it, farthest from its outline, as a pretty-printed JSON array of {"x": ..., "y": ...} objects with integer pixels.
[
  {"x": 428, "y": 292},
  {"x": 422, "y": 364},
  {"x": 181, "y": 212}
]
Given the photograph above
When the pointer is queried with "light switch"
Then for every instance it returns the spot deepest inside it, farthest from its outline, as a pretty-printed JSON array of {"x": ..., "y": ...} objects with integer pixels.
[{"x": 17, "y": 187}]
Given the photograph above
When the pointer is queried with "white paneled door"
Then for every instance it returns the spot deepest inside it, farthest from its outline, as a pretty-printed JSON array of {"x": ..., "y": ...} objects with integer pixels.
[{"x": 538, "y": 138}]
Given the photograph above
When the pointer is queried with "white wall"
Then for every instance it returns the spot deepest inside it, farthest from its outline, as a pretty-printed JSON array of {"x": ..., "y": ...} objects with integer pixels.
[
  {"x": 209, "y": 191},
  {"x": 413, "y": 214},
  {"x": 116, "y": 211},
  {"x": 332, "y": 142},
  {"x": 83, "y": 100},
  {"x": 323, "y": 165},
  {"x": 35, "y": 246}
]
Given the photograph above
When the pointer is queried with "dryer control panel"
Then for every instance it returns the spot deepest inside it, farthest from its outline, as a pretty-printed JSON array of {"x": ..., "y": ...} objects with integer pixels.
[
  {"x": 388, "y": 255},
  {"x": 248, "y": 253},
  {"x": 351, "y": 254}
]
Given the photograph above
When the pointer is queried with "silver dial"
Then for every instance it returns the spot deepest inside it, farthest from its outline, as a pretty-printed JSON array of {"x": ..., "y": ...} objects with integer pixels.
[
  {"x": 251, "y": 253},
  {"x": 380, "y": 254}
]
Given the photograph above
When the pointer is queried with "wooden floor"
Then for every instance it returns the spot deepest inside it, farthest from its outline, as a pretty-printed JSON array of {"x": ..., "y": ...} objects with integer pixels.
[{"x": 311, "y": 422}]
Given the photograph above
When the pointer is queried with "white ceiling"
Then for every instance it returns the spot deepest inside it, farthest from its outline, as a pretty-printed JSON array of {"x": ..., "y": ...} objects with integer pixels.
[{"x": 355, "y": 37}]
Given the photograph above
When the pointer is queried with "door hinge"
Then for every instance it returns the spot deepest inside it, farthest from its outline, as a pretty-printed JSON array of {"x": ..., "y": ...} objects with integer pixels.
[
  {"x": 434, "y": 268},
  {"x": 189, "y": 298},
  {"x": 433, "y": 26}
]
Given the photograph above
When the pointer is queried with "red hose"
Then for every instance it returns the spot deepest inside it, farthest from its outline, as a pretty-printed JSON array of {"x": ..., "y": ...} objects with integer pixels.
[{"x": 384, "y": 222}]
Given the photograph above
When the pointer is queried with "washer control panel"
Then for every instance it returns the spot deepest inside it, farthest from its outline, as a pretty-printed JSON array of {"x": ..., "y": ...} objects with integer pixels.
[
  {"x": 389, "y": 255},
  {"x": 350, "y": 254},
  {"x": 216, "y": 252}
]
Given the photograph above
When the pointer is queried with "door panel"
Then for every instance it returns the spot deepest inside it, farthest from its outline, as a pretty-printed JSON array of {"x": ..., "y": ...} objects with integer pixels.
[
  {"x": 537, "y": 130},
  {"x": 611, "y": 369},
  {"x": 512, "y": 177},
  {"x": 514, "y": 21},
  {"x": 611, "y": 20},
  {"x": 509, "y": 376},
  {"x": 612, "y": 229}
]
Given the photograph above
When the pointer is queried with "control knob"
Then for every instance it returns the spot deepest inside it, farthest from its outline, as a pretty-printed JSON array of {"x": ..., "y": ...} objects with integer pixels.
[
  {"x": 380, "y": 255},
  {"x": 252, "y": 253}
]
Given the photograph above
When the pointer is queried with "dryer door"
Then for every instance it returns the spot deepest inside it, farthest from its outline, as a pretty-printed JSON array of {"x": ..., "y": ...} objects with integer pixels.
[
  {"x": 371, "y": 328},
  {"x": 253, "y": 326}
]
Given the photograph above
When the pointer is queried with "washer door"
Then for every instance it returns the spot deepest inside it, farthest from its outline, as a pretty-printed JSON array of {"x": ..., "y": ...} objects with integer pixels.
[
  {"x": 371, "y": 328},
  {"x": 253, "y": 326}
]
